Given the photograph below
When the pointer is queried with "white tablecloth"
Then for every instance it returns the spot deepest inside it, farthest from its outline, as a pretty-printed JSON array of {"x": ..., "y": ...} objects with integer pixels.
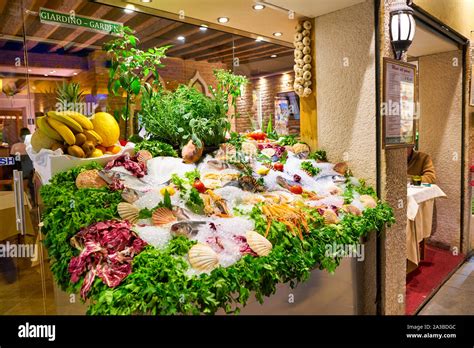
[
  {"x": 420, "y": 217},
  {"x": 419, "y": 194}
]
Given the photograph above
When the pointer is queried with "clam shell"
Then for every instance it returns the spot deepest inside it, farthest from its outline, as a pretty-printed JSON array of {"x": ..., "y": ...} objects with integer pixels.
[
  {"x": 203, "y": 258},
  {"x": 144, "y": 155},
  {"x": 368, "y": 201},
  {"x": 258, "y": 243},
  {"x": 330, "y": 217},
  {"x": 128, "y": 212},
  {"x": 162, "y": 216}
]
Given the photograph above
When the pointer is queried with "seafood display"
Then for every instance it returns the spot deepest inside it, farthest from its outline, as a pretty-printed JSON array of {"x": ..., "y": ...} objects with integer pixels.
[
  {"x": 201, "y": 201},
  {"x": 229, "y": 216}
]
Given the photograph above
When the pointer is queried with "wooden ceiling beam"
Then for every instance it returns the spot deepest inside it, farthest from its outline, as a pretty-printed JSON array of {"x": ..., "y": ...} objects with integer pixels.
[
  {"x": 239, "y": 53},
  {"x": 46, "y": 30},
  {"x": 98, "y": 12},
  {"x": 3, "y": 5},
  {"x": 160, "y": 32},
  {"x": 262, "y": 57},
  {"x": 205, "y": 46},
  {"x": 183, "y": 31},
  {"x": 219, "y": 47},
  {"x": 11, "y": 20},
  {"x": 193, "y": 42},
  {"x": 93, "y": 38}
]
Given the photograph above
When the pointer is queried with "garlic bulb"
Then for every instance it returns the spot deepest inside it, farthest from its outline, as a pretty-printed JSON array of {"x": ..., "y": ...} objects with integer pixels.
[
  {"x": 298, "y": 37},
  {"x": 307, "y": 25},
  {"x": 306, "y": 50},
  {"x": 307, "y": 67},
  {"x": 306, "y": 41},
  {"x": 307, "y": 59},
  {"x": 307, "y": 75}
]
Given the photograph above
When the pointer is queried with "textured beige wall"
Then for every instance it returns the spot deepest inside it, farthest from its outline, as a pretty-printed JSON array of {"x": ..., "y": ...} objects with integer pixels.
[
  {"x": 440, "y": 88},
  {"x": 394, "y": 192},
  {"x": 345, "y": 80}
]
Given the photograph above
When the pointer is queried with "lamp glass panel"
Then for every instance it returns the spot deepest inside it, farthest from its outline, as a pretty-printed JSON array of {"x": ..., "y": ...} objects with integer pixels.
[
  {"x": 404, "y": 26},
  {"x": 413, "y": 28},
  {"x": 394, "y": 27}
]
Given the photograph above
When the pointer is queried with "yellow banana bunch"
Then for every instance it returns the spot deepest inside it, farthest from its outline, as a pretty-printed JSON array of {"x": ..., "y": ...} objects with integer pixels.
[
  {"x": 66, "y": 120},
  {"x": 49, "y": 131},
  {"x": 80, "y": 118},
  {"x": 93, "y": 136},
  {"x": 62, "y": 129}
]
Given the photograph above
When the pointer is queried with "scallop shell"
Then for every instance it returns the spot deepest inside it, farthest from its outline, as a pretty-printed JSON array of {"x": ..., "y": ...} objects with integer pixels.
[
  {"x": 162, "y": 216},
  {"x": 298, "y": 37},
  {"x": 268, "y": 152},
  {"x": 300, "y": 147},
  {"x": 128, "y": 212},
  {"x": 307, "y": 59},
  {"x": 335, "y": 190},
  {"x": 341, "y": 168},
  {"x": 249, "y": 149},
  {"x": 258, "y": 243},
  {"x": 330, "y": 217},
  {"x": 306, "y": 50},
  {"x": 144, "y": 155},
  {"x": 90, "y": 179},
  {"x": 203, "y": 258},
  {"x": 368, "y": 201},
  {"x": 307, "y": 25},
  {"x": 351, "y": 209}
]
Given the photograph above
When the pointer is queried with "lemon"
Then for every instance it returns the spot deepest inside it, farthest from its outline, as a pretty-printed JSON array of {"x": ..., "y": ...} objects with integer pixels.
[
  {"x": 96, "y": 153},
  {"x": 106, "y": 126},
  {"x": 170, "y": 190}
]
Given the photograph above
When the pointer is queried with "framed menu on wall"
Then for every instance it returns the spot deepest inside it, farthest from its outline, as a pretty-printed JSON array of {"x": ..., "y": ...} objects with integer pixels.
[{"x": 399, "y": 104}]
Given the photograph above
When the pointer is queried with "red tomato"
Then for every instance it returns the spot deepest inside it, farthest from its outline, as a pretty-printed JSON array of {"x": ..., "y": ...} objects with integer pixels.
[
  {"x": 198, "y": 185},
  {"x": 257, "y": 135},
  {"x": 278, "y": 166},
  {"x": 296, "y": 189}
]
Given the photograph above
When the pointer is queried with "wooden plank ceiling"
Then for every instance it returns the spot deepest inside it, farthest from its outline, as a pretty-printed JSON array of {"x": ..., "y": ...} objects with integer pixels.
[{"x": 210, "y": 45}]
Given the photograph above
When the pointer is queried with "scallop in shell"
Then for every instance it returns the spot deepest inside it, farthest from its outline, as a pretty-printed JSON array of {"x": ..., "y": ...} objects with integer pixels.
[
  {"x": 341, "y": 168},
  {"x": 368, "y": 201},
  {"x": 330, "y": 217},
  {"x": 258, "y": 243},
  {"x": 162, "y": 216},
  {"x": 203, "y": 258},
  {"x": 144, "y": 155},
  {"x": 301, "y": 150},
  {"x": 351, "y": 209},
  {"x": 128, "y": 212}
]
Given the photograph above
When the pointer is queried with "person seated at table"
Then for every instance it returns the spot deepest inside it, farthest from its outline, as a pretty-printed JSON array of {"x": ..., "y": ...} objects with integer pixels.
[{"x": 420, "y": 164}]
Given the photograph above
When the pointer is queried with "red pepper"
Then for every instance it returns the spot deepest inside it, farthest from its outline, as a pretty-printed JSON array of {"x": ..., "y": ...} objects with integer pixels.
[
  {"x": 296, "y": 189},
  {"x": 278, "y": 166},
  {"x": 198, "y": 185},
  {"x": 258, "y": 135}
]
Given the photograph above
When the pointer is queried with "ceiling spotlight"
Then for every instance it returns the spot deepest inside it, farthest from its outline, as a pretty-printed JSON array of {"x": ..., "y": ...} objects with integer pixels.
[
  {"x": 277, "y": 34},
  {"x": 259, "y": 38},
  {"x": 52, "y": 71},
  {"x": 29, "y": 70},
  {"x": 46, "y": 75},
  {"x": 129, "y": 8},
  {"x": 258, "y": 7},
  {"x": 75, "y": 73},
  {"x": 181, "y": 38},
  {"x": 147, "y": 1},
  {"x": 203, "y": 27},
  {"x": 273, "y": 56},
  {"x": 223, "y": 19}
]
